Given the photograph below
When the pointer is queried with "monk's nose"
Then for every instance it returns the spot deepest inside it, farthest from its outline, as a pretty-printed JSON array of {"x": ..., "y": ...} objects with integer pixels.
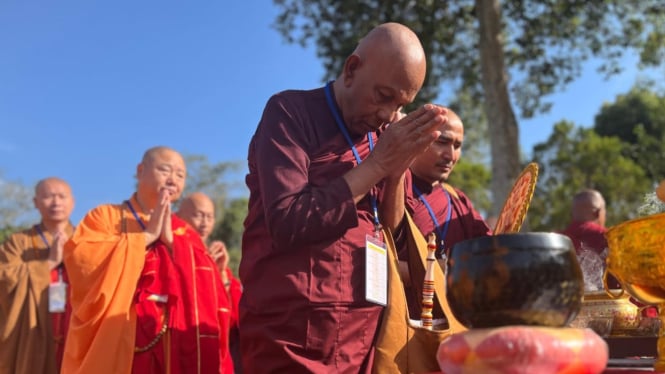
[{"x": 387, "y": 115}]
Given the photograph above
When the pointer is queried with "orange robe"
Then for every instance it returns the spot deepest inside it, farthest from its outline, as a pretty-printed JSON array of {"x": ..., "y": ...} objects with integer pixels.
[
  {"x": 31, "y": 338},
  {"x": 113, "y": 277}
]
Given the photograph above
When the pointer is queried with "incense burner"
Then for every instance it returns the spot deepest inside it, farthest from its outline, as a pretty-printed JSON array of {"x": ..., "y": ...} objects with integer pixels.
[{"x": 514, "y": 279}]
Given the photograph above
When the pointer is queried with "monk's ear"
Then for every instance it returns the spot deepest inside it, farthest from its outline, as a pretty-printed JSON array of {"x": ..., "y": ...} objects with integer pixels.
[
  {"x": 351, "y": 66},
  {"x": 139, "y": 170}
]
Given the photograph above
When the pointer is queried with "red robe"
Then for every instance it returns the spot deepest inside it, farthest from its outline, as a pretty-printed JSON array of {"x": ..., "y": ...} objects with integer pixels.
[
  {"x": 234, "y": 292},
  {"x": 113, "y": 276},
  {"x": 303, "y": 308},
  {"x": 465, "y": 221},
  {"x": 60, "y": 321},
  {"x": 587, "y": 235}
]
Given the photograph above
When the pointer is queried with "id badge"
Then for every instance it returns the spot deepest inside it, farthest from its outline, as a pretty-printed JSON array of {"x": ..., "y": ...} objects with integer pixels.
[
  {"x": 376, "y": 271},
  {"x": 57, "y": 297}
]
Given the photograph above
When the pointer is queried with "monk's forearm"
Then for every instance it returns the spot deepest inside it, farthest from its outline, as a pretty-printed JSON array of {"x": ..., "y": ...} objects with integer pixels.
[
  {"x": 362, "y": 178},
  {"x": 391, "y": 209}
]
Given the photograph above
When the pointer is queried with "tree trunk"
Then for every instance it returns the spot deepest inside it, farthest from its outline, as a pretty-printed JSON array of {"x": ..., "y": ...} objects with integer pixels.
[{"x": 500, "y": 116}]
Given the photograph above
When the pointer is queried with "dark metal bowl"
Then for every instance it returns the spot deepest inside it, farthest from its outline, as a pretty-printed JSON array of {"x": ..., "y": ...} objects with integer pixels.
[{"x": 514, "y": 279}]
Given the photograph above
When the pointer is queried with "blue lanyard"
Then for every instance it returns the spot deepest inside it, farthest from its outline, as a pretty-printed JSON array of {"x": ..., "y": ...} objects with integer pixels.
[
  {"x": 41, "y": 234},
  {"x": 131, "y": 208},
  {"x": 441, "y": 232},
  {"x": 342, "y": 128}
]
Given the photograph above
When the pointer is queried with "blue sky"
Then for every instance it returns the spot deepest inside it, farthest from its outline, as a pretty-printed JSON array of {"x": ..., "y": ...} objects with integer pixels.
[{"x": 86, "y": 87}]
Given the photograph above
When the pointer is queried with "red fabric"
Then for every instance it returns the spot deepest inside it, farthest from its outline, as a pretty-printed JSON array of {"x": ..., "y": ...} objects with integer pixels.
[
  {"x": 465, "y": 221},
  {"x": 198, "y": 309},
  {"x": 235, "y": 291},
  {"x": 587, "y": 235},
  {"x": 303, "y": 258},
  {"x": 60, "y": 321}
]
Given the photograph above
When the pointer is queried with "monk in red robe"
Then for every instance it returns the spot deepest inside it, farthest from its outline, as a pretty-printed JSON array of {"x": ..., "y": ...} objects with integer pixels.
[
  {"x": 33, "y": 321},
  {"x": 146, "y": 296},
  {"x": 436, "y": 206},
  {"x": 198, "y": 210},
  {"x": 587, "y": 226},
  {"x": 320, "y": 182}
]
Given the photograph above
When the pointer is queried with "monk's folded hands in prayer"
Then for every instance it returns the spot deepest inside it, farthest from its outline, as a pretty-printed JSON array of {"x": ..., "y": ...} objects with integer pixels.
[
  {"x": 159, "y": 225},
  {"x": 55, "y": 252},
  {"x": 406, "y": 138}
]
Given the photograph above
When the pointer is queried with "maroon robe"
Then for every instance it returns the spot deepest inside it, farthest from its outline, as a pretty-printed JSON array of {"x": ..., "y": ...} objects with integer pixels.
[
  {"x": 303, "y": 308},
  {"x": 590, "y": 235},
  {"x": 465, "y": 221},
  {"x": 587, "y": 235}
]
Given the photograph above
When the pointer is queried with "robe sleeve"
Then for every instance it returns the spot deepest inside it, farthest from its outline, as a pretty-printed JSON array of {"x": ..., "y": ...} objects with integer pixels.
[
  {"x": 297, "y": 212},
  {"x": 104, "y": 265},
  {"x": 473, "y": 218},
  {"x": 13, "y": 269}
]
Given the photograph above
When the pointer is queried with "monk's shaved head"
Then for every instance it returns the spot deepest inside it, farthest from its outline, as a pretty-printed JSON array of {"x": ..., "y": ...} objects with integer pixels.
[
  {"x": 194, "y": 200},
  {"x": 54, "y": 200},
  {"x": 393, "y": 43},
  {"x": 437, "y": 162},
  {"x": 44, "y": 183},
  {"x": 198, "y": 210},
  {"x": 382, "y": 75},
  {"x": 452, "y": 116},
  {"x": 161, "y": 169},
  {"x": 589, "y": 205},
  {"x": 153, "y": 152}
]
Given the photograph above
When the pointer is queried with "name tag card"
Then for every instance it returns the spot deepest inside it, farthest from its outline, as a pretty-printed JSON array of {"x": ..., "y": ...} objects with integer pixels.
[
  {"x": 57, "y": 297},
  {"x": 376, "y": 273}
]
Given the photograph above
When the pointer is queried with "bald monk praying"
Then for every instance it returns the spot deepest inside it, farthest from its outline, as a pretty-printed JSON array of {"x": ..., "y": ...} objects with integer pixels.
[
  {"x": 33, "y": 294},
  {"x": 321, "y": 182},
  {"x": 146, "y": 297},
  {"x": 198, "y": 210}
]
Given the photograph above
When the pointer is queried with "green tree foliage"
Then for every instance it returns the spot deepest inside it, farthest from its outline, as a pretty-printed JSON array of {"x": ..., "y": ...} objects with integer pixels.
[
  {"x": 475, "y": 148},
  {"x": 217, "y": 180},
  {"x": 473, "y": 179},
  {"x": 230, "y": 228},
  {"x": 211, "y": 179},
  {"x": 474, "y": 46},
  {"x": 16, "y": 207},
  {"x": 5, "y": 232},
  {"x": 638, "y": 118},
  {"x": 576, "y": 158}
]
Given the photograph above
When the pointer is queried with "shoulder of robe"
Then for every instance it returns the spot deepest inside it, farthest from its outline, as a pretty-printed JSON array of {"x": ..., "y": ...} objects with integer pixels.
[
  {"x": 17, "y": 240},
  {"x": 452, "y": 190},
  {"x": 104, "y": 211}
]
